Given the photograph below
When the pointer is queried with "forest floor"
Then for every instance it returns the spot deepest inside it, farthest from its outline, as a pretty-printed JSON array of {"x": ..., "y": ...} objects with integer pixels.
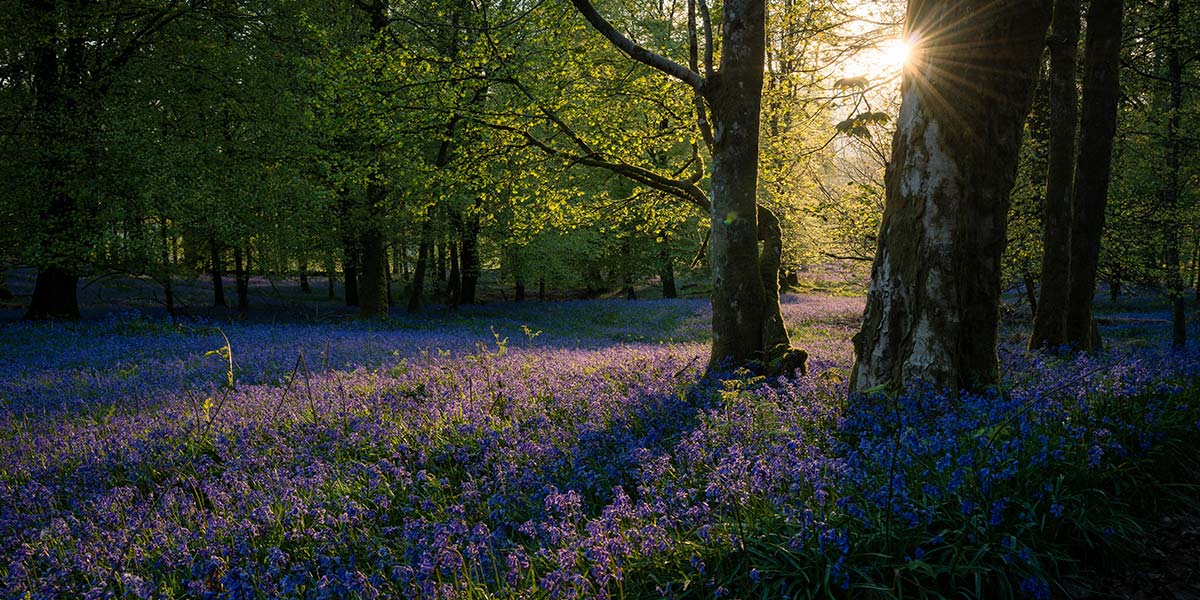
[
  {"x": 1164, "y": 563},
  {"x": 558, "y": 396}
]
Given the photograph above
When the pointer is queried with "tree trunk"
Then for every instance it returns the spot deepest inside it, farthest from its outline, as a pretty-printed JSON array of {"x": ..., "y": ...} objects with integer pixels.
[
  {"x": 418, "y": 281},
  {"x": 469, "y": 257},
  {"x": 55, "y": 290},
  {"x": 372, "y": 284},
  {"x": 391, "y": 298},
  {"x": 215, "y": 268},
  {"x": 441, "y": 250},
  {"x": 1171, "y": 188},
  {"x": 1031, "y": 293},
  {"x": 1049, "y": 324},
  {"x": 1114, "y": 290},
  {"x": 666, "y": 268},
  {"x": 403, "y": 260},
  {"x": 541, "y": 288},
  {"x": 331, "y": 279},
  {"x": 1098, "y": 124},
  {"x": 5, "y": 293},
  {"x": 735, "y": 99},
  {"x": 517, "y": 266},
  {"x": 933, "y": 306},
  {"x": 305, "y": 288},
  {"x": 454, "y": 285},
  {"x": 241, "y": 275},
  {"x": 54, "y": 295},
  {"x": 167, "y": 283},
  {"x": 350, "y": 272}
]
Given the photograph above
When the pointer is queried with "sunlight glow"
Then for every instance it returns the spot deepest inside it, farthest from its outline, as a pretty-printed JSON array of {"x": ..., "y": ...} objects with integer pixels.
[{"x": 896, "y": 53}]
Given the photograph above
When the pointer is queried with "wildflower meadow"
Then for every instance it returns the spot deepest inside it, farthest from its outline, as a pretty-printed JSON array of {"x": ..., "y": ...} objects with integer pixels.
[{"x": 561, "y": 450}]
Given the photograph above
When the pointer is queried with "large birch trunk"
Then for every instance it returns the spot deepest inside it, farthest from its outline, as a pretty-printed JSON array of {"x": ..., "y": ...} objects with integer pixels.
[{"x": 932, "y": 309}]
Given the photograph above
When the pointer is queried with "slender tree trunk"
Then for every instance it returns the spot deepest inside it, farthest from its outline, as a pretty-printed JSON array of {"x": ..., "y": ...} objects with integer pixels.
[
  {"x": 391, "y": 298},
  {"x": 215, "y": 268},
  {"x": 404, "y": 272},
  {"x": 469, "y": 257},
  {"x": 168, "y": 284},
  {"x": 441, "y": 249},
  {"x": 666, "y": 268},
  {"x": 1049, "y": 324},
  {"x": 305, "y": 288},
  {"x": 350, "y": 258},
  {"x": 542, "y": 288},
  {"x": 933, "y": 306},
  {"x": 1195, "y": 266},
  {"x": 626, "y": 271},
  {"x": 516, "y": 259},
  {"x": 241, "y": 275},
  {"x": 331, "y": 279},
  {"x": 454, "y": 285},
  {"x": 1114, "y": 290},
  {"x": 1031, "y": 292},
  {"x": 5, "y": 293},
  {"x": 1098, "y": 125},
  {"x": 418, "y": 281},
  {"x": 1171, "y": 187}
]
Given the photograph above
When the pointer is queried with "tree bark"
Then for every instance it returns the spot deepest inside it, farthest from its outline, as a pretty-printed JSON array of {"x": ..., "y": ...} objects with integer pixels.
[
  {"x": 1098, "y": 125},
  {"x": 735, "y": 100},
  {"x": 305, "y": 287},
  {"x": 454, "y": 285},
  {"x": 744, "y": 322},
  {"x": 1031, "y": 293},
  {"x": 1049, "y": 324},
  {"x": 331, "y": 279},
  {"x": 215, "y": 268},
  {"x": 350, "y": 273},
  {"x": 666, "y": 268},
  {"x": 933, "y": 306},
  {"x": 54, "y": 295},
  {"x": 372, "y": 284},
  {"x": 1171, "y": 187},
  {"x": 5, "y": 293},
  {"x": 441, "y": 249},
  {"x": 469, "y": 257},
  {"x": 165, "y": 255},
  {"x": 242, "y": 277},
  {"x": 418, "y": 281}
]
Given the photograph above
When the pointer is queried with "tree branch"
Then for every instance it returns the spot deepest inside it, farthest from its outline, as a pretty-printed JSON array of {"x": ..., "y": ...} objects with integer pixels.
[
  {"x": 635, "y": 51},
  {"x": 708, "y": 39}
]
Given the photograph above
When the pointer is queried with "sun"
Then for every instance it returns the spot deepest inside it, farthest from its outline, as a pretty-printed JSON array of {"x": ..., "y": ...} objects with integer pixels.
[{"x": 896, "y": 53}]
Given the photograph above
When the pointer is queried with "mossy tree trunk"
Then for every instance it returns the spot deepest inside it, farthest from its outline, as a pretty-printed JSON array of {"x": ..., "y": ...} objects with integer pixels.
[
  {"x": 1049, "y": 324},
  {"x": 746, "y": 324},
  {"x": 933, "y": 306},
  {"x": 1098, "y": 125}
]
